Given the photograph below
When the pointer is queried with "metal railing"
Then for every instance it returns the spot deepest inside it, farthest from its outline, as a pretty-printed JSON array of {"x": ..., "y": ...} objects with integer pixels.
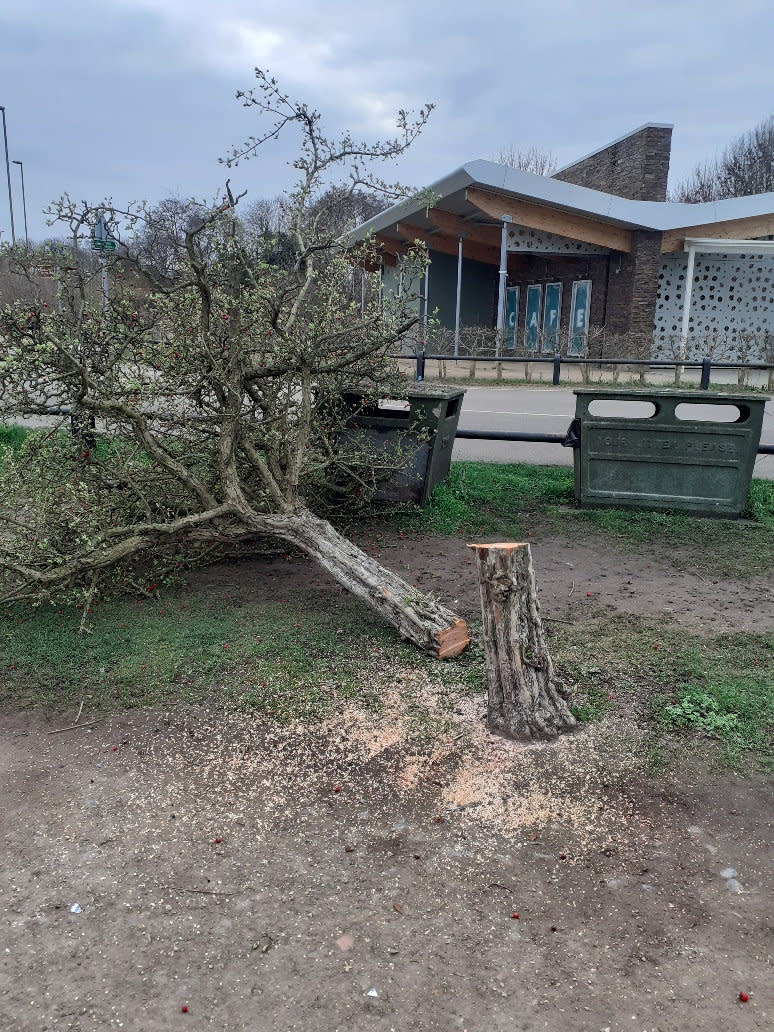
[{"x": 706, "y": 364}]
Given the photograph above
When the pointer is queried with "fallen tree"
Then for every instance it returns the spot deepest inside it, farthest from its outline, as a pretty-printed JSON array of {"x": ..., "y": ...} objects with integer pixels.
[{"x": 204, "y": 406}]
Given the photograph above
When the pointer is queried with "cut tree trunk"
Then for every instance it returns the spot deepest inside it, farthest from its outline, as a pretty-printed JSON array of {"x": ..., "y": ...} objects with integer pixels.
[
  {"x": 525, "y": 701},
  {"x": 416, "y": 616}
]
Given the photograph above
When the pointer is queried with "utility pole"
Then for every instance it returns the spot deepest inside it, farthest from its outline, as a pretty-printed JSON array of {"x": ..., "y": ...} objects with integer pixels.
[
  {"x": 8, "y": 173},
  {"x": 24, "y": 203}
]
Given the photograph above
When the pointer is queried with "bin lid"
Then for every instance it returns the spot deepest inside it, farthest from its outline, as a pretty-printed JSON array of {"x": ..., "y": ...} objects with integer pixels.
[
  {"x": 646, "y": 393},
  {"x": 434, "y": 390}
]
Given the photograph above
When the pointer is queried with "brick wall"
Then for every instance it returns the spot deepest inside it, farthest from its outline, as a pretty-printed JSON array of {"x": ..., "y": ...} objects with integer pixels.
[
  {"x": 633, "y": 287},
  {"x": 636, "y": 167}
]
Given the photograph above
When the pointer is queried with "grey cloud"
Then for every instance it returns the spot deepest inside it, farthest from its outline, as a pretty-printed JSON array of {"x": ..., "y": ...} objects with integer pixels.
[{"x": 134, "y": 98}]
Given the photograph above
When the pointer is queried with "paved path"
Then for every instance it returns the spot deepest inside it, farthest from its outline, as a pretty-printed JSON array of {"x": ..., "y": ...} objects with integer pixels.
[{"x": 546, "y": 410}]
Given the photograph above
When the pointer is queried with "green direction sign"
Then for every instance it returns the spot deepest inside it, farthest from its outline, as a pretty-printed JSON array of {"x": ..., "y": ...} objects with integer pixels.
[{"x": 102, "y": 245}]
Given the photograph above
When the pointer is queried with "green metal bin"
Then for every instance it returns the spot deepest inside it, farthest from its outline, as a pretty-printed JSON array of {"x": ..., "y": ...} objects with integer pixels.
[
  {"x": 691, "y": 451},
  {"x": 418, "y": 430}
]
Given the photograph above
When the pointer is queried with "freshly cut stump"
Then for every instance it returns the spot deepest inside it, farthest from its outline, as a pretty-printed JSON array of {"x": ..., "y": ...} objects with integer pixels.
[{"x": 524, "y": 699}]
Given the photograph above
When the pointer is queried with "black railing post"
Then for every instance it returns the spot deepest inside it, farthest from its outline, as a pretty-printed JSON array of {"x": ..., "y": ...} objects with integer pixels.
[
  {"x": 557, "y": 370},
  {"x": 421, "y": 364},
  {"x": 706, "y": 366}
]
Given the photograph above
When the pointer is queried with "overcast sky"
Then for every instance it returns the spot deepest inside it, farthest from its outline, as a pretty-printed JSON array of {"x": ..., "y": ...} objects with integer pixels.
[{"x": 134, "y": 99}]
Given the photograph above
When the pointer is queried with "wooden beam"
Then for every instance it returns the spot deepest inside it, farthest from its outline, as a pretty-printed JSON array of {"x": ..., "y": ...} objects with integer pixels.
[
  {"x": 734, "y": 229},
  {"x": 389, "y": 245},
  {"x": 454, "y": 225},
  {"x": 448, "y": 245},
  {"x": 549, "y": 220}
]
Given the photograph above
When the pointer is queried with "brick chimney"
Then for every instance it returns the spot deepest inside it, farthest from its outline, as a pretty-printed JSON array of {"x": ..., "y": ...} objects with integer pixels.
[{"x": 636, "y": 166}]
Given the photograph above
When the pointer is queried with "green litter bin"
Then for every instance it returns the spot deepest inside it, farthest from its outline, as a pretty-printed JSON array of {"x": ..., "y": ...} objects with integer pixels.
[
  {"x": 687, "y": 451},
  {"x": 416, "y": 431}
]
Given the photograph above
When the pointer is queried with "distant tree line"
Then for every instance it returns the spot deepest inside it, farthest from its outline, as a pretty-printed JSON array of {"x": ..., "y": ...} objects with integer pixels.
[
  {"x": 264, "y": 227},
  {"x": 745, "y": 166}
]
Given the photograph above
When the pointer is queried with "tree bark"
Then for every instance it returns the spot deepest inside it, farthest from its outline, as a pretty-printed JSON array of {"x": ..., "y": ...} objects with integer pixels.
[
  {"x": 524, "y": 699},
  {"x": 416, "y": 616}
]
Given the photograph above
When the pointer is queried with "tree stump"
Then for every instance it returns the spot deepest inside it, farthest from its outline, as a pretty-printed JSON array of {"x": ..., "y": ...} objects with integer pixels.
[{"x": 524, "y": 699}]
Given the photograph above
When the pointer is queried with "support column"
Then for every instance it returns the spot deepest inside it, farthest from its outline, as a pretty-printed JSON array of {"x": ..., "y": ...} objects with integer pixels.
[
  {"x": 503, "y": 278},
  {"x": 687, "y": 293},
  {"x": 427, "y": 293},
  {"x": 459, "y": 296}
]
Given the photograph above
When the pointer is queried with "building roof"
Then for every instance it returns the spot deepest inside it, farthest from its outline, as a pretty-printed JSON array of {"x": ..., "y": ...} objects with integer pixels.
[{"x": 450, "y": 195}]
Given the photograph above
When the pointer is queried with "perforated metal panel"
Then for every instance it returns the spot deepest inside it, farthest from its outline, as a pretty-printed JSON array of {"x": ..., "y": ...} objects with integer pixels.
[
  {"x": 731, "y": 293},
  {"x": 522, "y": 239}
]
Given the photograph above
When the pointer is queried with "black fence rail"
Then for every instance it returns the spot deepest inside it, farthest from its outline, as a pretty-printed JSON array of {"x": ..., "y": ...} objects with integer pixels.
[
  {"x": 706, "y": 365},
  {"x": 525, "y": 435}
]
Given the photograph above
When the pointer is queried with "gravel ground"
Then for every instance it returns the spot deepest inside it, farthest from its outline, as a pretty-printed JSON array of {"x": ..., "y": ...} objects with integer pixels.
[{"x": 233, "y": 874}]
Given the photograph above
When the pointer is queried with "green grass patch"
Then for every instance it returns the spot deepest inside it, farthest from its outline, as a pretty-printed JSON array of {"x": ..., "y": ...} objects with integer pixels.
[
  {"x": 12, "y": 436},
  {"x": 736, "y": 709},
  {"x": 281, "y": 657},
  {"x": 481, "y": 497},
  {"x": 719, "y": 688},
  {"x": 511, "y": 499},
  {"x": 288, "y": 659}
]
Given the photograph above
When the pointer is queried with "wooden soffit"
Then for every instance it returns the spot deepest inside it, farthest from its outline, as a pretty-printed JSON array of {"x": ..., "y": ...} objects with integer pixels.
[
  {"x": 471, "y": 249},
  {"x": 453, "y": 225},
  {"x": 389, "y": 245},
  {"x": 549, "y": 220},
  {"x": 736, "y": 229}
]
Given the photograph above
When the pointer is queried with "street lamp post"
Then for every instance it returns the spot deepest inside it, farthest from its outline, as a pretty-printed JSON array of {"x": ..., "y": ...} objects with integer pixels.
[
  {"x": 8, "y": 173},
  {"x": 24, "y": 202}
]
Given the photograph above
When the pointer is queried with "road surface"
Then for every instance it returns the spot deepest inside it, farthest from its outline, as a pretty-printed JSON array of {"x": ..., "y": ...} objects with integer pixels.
[{"x": 545, "y": 410}]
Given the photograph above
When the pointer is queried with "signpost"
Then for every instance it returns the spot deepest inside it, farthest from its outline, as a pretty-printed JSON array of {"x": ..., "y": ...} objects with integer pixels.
[
  {"x": 579, "y": 317},
  {"x": 552, "y": 317},
  {"x": 101, "y": 240}
]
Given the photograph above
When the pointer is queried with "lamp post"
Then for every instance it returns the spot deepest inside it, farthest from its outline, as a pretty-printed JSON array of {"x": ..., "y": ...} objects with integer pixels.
[
  {"x": 24, "y": 203},
  {"x": 8, "y": 173}
]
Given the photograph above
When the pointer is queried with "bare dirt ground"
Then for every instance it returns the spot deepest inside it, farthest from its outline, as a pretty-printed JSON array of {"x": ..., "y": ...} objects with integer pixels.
[{"x": 232, "y": 874}]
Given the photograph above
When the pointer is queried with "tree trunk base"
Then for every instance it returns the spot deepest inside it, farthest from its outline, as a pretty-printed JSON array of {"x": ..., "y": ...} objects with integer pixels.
[{"x": 525, "y": 701}]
